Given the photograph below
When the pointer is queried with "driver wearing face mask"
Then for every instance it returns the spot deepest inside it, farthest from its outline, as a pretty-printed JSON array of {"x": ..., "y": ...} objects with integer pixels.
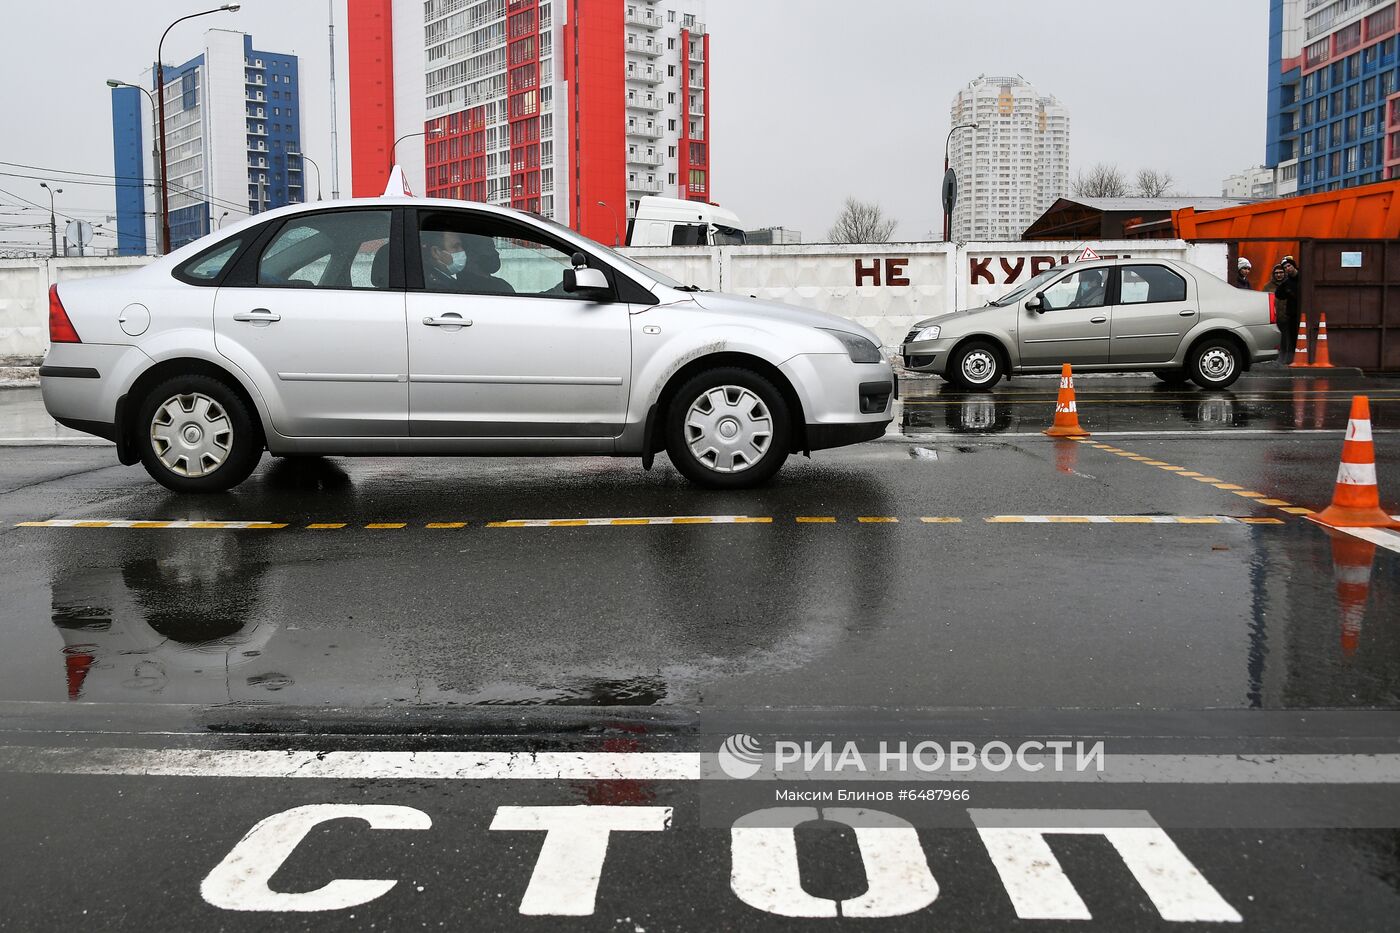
[{"x": 443, "y": 259}]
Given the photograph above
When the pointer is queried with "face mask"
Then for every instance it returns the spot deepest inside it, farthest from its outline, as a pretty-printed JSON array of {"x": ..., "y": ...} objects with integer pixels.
[{"x": 459, "y": 262}]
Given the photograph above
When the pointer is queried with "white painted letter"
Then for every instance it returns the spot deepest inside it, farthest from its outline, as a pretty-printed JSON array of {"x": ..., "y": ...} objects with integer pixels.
[
  {"x": 565, "y": 880},
  {"x": 239, "y": 882},
  {"x": 765, "y": 873},
  {"x": 1040, "y": 890}
]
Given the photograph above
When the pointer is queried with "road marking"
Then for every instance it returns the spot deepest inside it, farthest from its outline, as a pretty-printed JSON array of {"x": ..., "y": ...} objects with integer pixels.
[
  {"x": 1274, "y": 502},
  {"x": 1263, "y": 768},
  {"x": 383, "y": 526},
  {"x": 1296, "y": 510},
  {"x": 447, "y": 524},
  {"x": 1377, "y": 536},
  {"x": 877, "y": 519},
  {"x": 940, "y": 520},
  {"x": 1114, "y": 519},
  {"x": 815, "y": 519},
  {"x": 616, "y": 522},
  {"x": 326, "y": 525},
  {"x": 132, "y": 523}
]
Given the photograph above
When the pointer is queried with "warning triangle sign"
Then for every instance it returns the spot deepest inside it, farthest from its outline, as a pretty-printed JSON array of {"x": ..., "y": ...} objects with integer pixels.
[{"x": 1087, "y": 255}]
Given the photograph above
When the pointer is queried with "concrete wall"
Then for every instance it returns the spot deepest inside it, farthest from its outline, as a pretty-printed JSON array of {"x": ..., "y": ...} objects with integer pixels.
[{"x": 886, "y": 287}]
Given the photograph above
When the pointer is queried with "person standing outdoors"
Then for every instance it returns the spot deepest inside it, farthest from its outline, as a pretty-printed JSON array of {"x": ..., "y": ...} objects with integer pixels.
[
  {"x": 1283, "y": 290},
  {"x": 1295, "y": 276},
  {"x": 1243, "y": 267}
]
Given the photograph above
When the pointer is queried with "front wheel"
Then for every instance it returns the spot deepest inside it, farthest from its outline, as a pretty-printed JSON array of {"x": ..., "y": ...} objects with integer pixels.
[
  {"x": 728, "y": 428},
  {"x": 195, "y": 434},
  {"x": 975, "y": 365},
  {"x": 1215, "y": 363}
]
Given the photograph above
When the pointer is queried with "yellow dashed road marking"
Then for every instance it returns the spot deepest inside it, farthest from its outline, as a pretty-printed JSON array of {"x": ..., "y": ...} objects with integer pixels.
[
  {"x": 940, "y": 520},
  {"x": 447, "y": 524},
  {"x": 816, "y": 519},
  {"x": 382, "y": 526},
  {"x": 1262, "y": 521},
  {"x": 877, "y": 520},
  {"x": 1295, "y": 510},
  {"x": 1274, "y": 502},
  {"x": 321, "y": 525}
]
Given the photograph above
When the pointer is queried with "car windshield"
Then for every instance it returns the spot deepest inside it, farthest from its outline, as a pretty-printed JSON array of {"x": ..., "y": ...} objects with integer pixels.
[
  {"x": 657, "y": 277},
  {"x": 1025, "y": 289}
]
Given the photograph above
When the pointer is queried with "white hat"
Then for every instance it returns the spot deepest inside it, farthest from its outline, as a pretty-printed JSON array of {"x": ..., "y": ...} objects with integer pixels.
[{"x": 1244, "y": 263}]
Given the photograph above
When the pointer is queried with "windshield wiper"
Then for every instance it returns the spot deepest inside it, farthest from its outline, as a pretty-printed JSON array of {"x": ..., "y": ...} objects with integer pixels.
[{"x": 689, "y": 288}]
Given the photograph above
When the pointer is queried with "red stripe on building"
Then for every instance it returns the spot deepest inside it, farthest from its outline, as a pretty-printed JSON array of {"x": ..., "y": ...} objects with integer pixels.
[
  {"x": 597, "y": 132},
  {"x": 370, "y": 40}
]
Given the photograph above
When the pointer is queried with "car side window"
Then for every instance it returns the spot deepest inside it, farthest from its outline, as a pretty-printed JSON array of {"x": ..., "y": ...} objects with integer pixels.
[
  {"x": 343, "y": 249},
  {"x": 1150, "y": 284},
  {"x": 210, "y": 265},
  {"x": 470, "y": 254},
  {"x": 1077, "y": 290}
]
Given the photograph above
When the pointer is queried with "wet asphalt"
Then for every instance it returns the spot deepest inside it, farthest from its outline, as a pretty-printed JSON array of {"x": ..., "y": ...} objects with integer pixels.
[{"x": 908, "y": 587}]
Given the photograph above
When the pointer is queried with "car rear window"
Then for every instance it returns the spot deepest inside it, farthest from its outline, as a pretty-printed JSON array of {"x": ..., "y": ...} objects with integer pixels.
[{"x": 1150, "y": 284}]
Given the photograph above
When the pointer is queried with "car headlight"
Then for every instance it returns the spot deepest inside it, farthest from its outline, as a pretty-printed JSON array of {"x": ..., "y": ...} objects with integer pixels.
[
  {"x": 859, "y": 349},
  {"x": 928, "y": 333}
]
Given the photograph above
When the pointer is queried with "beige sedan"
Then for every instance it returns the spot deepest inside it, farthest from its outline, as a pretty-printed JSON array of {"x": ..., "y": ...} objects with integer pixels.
[{"x": 1157, "y": 315}]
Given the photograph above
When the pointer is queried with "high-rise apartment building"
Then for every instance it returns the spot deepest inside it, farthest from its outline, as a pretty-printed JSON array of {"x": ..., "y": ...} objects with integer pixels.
[
  {"x": 1257, "y": 183},
  {"x": 1334, "y": 94},
  {"x": 233, "y": 141},
  {"x": 572, "y": 109},
  {"x": 1014, "y": 165}
]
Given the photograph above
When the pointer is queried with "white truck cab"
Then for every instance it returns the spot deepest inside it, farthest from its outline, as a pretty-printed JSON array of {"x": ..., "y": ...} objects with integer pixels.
[{"x": 675, "y": 222}]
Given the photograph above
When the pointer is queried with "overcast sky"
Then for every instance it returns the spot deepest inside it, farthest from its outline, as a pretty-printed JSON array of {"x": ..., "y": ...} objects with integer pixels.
[{"x": 811, "y": 100}]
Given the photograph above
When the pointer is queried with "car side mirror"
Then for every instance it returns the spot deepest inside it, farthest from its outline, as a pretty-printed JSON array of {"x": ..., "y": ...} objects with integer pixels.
[
  {"x": 1033, "y": 303},
  {"x": 587, "y": 283}
]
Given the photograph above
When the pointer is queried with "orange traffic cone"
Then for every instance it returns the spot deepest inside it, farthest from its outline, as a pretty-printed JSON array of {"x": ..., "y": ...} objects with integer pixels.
[
  {"x": 1066, "y": 415},
  {"x": 1321, "y": 358},
  {"x": 1351, "y": 563},
  {"x": 1300, "y": 352},
  {"x": 1356, "y": 501}
]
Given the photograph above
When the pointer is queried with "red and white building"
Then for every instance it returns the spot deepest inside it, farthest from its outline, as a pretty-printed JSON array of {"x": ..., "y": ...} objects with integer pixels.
[{"x": 572, "y": 109}]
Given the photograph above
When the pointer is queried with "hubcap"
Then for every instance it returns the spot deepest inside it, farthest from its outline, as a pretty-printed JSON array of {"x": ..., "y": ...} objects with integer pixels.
[
  {"x": 728, "y": 429},
  {"x": 191, "y": 435},
  {"x": 978, "y": 366},
  {"x": 1217, "y": 363}
]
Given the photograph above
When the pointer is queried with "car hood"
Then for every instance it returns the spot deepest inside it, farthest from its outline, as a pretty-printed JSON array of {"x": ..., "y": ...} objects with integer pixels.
[
  {"x": 957, "y": 316},
  {"x": 775, "y": 311}
]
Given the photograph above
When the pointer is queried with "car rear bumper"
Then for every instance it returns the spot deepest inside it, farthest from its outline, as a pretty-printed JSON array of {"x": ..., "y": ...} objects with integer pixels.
[{"x": 82, "y": 382}]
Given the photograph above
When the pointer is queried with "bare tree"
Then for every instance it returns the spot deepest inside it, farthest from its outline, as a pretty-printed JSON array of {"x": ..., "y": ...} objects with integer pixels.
[
  {"x": 1154, "y": 184},
  {"x": 860, "y": 222},
  {"x": 1100, "y": 181}
]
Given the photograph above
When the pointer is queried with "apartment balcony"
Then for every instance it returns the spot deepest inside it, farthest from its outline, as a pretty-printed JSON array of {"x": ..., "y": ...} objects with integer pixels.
[
  {"x": 645, "y": 132},
  {"x": 644, "y": 187},
  {"x": 646, "y": 75},
  {"x": 697, "y": 52},
  {"x": 649, "y": 104},
  {"x": 650, "y": 48},
  {"x": 644, "y": 17},
  {"x": 637, "y": 158}
]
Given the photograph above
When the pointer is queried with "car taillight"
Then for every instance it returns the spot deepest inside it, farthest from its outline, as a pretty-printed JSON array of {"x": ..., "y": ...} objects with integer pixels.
[
  {"x": 1273, "y": 308},
  {"x": 60, "y": 328}
]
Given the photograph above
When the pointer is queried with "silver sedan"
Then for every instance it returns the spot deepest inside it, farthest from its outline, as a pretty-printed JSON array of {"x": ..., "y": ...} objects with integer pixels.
[{"x": 1167, "y": 317}]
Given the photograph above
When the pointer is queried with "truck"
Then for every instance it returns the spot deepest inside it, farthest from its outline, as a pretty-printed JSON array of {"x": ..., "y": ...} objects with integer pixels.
[{"x": 676, "y": 222}]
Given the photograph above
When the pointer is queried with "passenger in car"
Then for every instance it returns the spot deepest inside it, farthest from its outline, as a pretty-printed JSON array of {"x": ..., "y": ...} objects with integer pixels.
[
  {"x": 443, "y": 258},
  {"x": 483, "y": 260}
]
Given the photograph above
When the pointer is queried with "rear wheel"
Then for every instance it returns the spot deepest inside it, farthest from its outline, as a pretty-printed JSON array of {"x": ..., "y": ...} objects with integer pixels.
[
  {"x": 975, "y": 365},
  {"x": 195, "y": 434},
  {"x": 728, "y": 428},
  {"x": 1172, "y": 376},
  {"x": 1215, "y": 363}
]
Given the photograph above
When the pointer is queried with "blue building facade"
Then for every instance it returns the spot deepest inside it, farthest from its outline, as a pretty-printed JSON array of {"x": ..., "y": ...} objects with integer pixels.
[
  {"x": 129, "y": 170},
  {"x": 1334, "y": 93},
  {"x": 233, "y": 135}
]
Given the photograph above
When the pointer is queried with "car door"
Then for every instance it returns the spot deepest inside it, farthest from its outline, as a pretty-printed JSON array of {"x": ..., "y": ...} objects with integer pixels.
[
  {"x": 1072, "y": 323},
  {"x": 1152, "y": 315},
  {"x": 316, "y": 318},
  {"x": 497, "y": 348}
]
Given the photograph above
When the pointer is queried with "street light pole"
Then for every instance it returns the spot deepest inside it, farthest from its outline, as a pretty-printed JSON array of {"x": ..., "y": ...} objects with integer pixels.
[
  {"x": 947, "y": 214},
  {"x": 160, "y": 93},
  {"x": 155, "y": 150},
  {"x": 305, "y": 158},
  {"x": 433, "y": 133},
  {"x": 617, "y": 238},
  {"x": 53, "y": 221}
]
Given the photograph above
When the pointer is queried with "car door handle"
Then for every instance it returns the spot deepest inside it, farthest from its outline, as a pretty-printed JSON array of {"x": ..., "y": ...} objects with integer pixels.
[
  {"x": 447, "y": 320},
  {"x": 257, "y": 316},
  {"x": 1098, "y": 320},
  {"x": 1187, "y": 313}
]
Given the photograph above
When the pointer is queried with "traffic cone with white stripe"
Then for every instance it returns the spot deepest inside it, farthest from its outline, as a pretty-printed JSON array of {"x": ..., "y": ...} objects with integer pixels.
[
  {"x": 1066, "y": 414},
  {"x": 1351, "y": 563},
  {"x": 1321, "y": 358},
  {"x": 1300, "y": 349},
  {"x": 1356, "y": 501}
]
